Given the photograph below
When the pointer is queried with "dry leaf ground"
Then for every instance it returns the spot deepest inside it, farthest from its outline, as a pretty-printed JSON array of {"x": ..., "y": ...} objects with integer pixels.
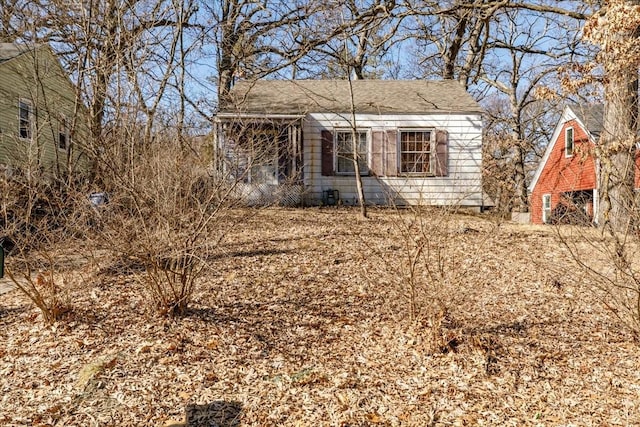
[{"x": 302, "y": 322}]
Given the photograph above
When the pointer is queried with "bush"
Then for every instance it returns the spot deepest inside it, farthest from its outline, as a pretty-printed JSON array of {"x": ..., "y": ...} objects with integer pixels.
[
  {"x": 36, "y": 212},
  {"x": 164, "y": 213}
]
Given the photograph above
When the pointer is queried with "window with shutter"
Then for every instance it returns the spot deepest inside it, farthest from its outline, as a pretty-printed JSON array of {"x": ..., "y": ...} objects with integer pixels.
[
  {"x": 423, "y": 152},
  {"x": 344, "y": 152},
  {"x": 415, "y": 152}
]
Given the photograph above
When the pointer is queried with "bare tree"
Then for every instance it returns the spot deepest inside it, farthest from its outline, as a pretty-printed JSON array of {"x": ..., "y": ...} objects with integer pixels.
[
  {"x": 357, "y": 155},
  {"x": 13, "y": 19},
  {"x": 256, "y": 38},
  {"x": 519, "y": 62},
  {"x": 452, "y": 37},
  {"x": 500, "y": 49},
  {"x": 116, "y": 48},
  {"x": 363, "y": 34}
]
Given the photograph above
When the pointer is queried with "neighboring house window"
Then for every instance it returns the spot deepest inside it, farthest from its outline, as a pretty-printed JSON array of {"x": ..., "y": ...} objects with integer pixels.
[
  {"x": 415, "y": 151},
  {"x": 568, "y": 142},
  {"x": 344, "y": 152},
  {"x": 63, "y": 133},
  {"x": 25, "y": 115},
  {"x": 546, "y": 208}
]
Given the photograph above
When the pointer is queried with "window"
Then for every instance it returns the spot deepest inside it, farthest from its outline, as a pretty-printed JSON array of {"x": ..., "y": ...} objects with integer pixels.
[
  {"x": 415, "y": 151},
  {"x": 546, "y": 208},
  {"x": 24, "y": 119},
  {"x": 63, "y": 133},
  {"x": 344, "y": 152},
  {"x": 568, "y": 142}
]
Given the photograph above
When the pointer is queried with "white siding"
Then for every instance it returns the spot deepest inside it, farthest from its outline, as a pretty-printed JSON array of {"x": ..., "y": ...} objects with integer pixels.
[{"x": 462, "y": 185}]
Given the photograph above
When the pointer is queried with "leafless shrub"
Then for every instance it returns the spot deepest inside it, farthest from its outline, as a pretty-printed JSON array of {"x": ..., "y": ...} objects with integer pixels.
[
  {"x": 608, "y": 266},
  {"x": 36, "y": 212},
  {"x": 164, "y": 212},
  {"x": 43, "y": 289},
  {"x": 431, "y": 242}
]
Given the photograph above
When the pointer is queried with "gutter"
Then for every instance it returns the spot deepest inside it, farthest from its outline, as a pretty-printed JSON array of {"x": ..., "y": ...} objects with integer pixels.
[{"x": 258, "y": 116}]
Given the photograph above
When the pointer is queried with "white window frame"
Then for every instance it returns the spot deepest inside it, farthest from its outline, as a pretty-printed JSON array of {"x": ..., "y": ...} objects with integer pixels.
[
  {"x": 546, "y": 208},
  {"x": 63, "y": 129},
  {"x": 28, "y": 129},
  {"x": 364, "y": 163},
  {"x": 568, "y": 153},
  {"x": 432, "y": 149}
]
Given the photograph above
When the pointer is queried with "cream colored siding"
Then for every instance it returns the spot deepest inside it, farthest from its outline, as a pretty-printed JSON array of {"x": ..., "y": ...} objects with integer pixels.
[
  {"x": 37, "y": 77},
  {"x": 461, "y": 186}
]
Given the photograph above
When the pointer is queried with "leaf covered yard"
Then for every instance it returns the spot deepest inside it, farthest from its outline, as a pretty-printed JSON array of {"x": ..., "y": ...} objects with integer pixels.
[{"x": 309, "y": 317}]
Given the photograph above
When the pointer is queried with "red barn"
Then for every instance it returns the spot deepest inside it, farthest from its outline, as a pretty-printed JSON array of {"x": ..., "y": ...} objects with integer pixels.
[{"x": 565, "y": 185}]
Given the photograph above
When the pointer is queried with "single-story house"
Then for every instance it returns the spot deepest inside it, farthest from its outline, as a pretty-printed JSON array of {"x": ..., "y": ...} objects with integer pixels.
[
  {"x": 39, "y": 112},
  {"x": 417, "y": 141},
  {"x": 565, "y": 185}
]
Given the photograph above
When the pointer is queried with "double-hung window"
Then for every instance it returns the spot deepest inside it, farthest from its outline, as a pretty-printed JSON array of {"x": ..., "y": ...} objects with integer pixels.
[
  {"x": 568, "y": 142},
  {"x": 546, "y": 208},
  {"x": 25, "y": 117},
  {"x": 344, "y": 152},
  {"x": 416, "y": 148}
]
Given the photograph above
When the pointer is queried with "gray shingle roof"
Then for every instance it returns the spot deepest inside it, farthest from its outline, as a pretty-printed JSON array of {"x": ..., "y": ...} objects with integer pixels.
[
  {"x": 592, "y": 116},
  {"x": 333, "y": 96}
]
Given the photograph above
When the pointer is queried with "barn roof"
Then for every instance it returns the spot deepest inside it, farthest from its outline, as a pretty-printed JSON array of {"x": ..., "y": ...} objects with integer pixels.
[{"x": 333, "y": 96}]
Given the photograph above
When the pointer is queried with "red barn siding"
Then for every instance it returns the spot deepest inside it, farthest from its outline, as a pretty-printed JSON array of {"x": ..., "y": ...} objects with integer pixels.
[{"x": 563, "y": 174}]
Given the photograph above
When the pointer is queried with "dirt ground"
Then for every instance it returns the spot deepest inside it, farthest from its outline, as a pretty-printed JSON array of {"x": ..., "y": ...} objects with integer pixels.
[{"x": 304, "y": 320}]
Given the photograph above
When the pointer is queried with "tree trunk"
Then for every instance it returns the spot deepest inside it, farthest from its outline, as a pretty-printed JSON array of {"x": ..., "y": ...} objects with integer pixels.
[
  {"x": 520, "y": 177},
  {"x": 356, "y": 154},
  {"x": 617, "y": 152}
]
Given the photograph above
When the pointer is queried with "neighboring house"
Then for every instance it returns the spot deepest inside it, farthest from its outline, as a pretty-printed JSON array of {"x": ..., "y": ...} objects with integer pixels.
[
  {"x": 418, "y": 142},
  {"x": 38, "y": 111},
  {"x": 565, "y": 185}
]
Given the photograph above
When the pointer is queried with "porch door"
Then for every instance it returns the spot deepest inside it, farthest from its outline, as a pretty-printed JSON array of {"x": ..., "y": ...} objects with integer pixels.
[{"x": 264, "y": 157}]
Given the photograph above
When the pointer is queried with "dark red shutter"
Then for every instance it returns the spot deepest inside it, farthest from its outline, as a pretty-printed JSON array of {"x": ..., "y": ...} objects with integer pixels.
[
  {"x": 327, "y": 153},
  {"x": 391, "y": 163},
  {"x": 442, "y": 153}
]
